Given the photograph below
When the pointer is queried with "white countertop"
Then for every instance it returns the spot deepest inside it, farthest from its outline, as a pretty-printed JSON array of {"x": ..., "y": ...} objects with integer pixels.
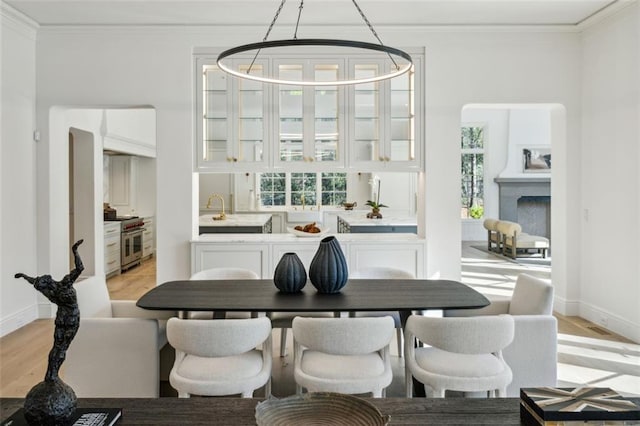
[
  {"x": 290, "y": 238},
  {"x": 359, "y": 218},
  {"x": 234, "y": 220}
]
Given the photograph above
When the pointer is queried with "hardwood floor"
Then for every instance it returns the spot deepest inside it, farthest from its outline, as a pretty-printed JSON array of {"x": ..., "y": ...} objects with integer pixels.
[{"x": 588, "y": 354}]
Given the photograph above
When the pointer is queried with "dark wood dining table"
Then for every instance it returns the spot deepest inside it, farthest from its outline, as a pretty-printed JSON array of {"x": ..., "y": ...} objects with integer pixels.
[
  {"x": 262, "y": 296},
  {"x": 241, "y": 411}
]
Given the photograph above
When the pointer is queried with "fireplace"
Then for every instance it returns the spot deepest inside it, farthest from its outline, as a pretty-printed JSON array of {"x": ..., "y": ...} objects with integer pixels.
[{"x": 526, "y": 201}]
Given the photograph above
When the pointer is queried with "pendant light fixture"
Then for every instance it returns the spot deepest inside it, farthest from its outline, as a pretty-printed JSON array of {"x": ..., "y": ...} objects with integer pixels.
[{"x": 394, "y": 55}]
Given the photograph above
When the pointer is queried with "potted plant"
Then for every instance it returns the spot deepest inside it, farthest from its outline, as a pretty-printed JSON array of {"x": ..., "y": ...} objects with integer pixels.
[{"x": 375, "y": 206}]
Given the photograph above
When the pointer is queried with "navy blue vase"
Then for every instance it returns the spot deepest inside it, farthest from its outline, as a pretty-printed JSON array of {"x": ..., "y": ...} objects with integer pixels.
[
  {"x": 328, "y": 270},
  {"x": 290, "y": 275}
]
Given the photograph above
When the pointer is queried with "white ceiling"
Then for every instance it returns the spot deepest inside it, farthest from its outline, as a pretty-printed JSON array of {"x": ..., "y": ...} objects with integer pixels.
[{"x": 315, "y": 12}]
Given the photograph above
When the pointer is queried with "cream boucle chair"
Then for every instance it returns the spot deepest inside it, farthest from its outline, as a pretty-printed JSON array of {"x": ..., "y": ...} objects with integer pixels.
[
  {"x": 220, "y": 357},
  {"x": 463, "y": 354},
  {"x": 346, "y": 355},
  {"x": 513, "y": 239},
  {"x": 381, "y": 272},
  {"x": 223, "y": 274},
  {"x": 116, "y": 352},
  {"x": 533, "y": 354},
  {"x": 493, "y": 235}
]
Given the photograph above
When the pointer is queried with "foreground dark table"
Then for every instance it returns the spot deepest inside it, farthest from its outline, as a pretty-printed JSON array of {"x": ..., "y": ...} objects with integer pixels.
[
  {"x": 239, "y": 411},
  {"x": 358, "y": 295}
]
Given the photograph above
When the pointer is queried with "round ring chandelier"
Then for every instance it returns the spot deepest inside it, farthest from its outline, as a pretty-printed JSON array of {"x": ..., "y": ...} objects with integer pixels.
[{"x": 395, "y": 71}]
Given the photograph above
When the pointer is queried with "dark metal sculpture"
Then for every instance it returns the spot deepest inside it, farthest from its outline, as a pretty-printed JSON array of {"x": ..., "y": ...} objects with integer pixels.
[{"x": 52, "y": 402}]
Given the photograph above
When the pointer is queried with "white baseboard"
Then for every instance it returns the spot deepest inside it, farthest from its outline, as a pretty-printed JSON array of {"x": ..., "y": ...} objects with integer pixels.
[
  {"x": 18, "y": 319},
  {"x": 611, "y": 322},
  {"x": 566, "y": 307}
]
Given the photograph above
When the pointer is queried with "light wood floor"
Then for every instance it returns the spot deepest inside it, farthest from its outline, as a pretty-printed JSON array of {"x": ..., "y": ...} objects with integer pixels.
[{"x": 23, "y": 353}]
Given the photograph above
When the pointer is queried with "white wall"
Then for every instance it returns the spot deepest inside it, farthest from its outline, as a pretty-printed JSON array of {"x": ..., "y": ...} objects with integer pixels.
[
  {"x": 134, "y": 65},
  {"x": 18, "y": 300},
  {"x": 153, "y": 66},
  {"x": 609, "y": 291}
]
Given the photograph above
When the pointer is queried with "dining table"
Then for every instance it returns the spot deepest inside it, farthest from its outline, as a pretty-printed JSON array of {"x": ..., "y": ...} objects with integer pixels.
[
  {"x": 241, "y": 411},
  {"x": 261, "y": 296}
]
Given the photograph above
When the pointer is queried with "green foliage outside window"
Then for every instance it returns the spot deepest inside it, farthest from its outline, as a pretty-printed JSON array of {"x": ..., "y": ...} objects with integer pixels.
[
  {"x": 472, "y": 172},
  {"x": 273, "y": 189},
  {"x": 330, "y": 189},
  {"x": 334, "y": 189},
  {"x": 303, "y": 184}
]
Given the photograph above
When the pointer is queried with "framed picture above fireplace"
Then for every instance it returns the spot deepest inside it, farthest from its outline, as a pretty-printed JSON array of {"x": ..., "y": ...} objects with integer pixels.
[{"x": 536, "y": 159}]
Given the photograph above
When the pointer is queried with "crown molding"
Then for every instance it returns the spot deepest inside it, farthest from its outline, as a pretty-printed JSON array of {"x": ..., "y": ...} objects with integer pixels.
[
  {"x": 18, "y": 20},
  {"x": 345, "y": 30},
  {"x": 606, "y": 13}
]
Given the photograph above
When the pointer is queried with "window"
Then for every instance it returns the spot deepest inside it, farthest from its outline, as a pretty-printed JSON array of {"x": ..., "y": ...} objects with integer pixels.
[
  {"x": 296, "y": 189},
  {"x": 472, "y": 188},
  {"x": 273, "y": 189}
]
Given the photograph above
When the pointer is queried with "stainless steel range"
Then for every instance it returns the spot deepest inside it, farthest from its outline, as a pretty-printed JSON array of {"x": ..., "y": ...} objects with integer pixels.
[{"x": 132, "y": 228}]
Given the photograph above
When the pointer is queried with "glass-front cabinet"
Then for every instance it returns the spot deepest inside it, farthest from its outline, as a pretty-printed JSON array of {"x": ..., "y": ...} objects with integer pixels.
[
  {"x": 384, "y": 133},
  {"x": 245, "y": 125},
  {"x": 310, "y": 118},
  {"x": 232, "y": 133}
]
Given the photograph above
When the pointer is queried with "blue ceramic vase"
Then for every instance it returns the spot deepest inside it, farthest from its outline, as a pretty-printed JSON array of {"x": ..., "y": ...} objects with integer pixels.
[
  {"x": 290, "y": 275},
  {"x": 328, "y": 270}
]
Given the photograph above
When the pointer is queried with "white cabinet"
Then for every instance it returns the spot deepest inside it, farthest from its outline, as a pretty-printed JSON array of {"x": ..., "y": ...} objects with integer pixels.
[
  {"x": 123, "y": 175},
  {"x": 310, "y": 119},
  {"x": 406, "y": 256},
  {"x": 148, "y": 237},
  {"x": 231, "y": 128},
  {"x": 262, "y": 252},
  {"x": 243, "y": 125},
  {"x": 226, "y": 254},
  {"x": 385, "y": 123},
  {"x": 111, "y": 248}
]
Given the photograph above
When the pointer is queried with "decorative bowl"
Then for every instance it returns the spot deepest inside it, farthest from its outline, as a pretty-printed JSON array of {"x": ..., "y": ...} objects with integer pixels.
[
  {"x": 319, "y": 408},
  {"x": 308, "y": 234},
  {"x": 349, "y": 206}
]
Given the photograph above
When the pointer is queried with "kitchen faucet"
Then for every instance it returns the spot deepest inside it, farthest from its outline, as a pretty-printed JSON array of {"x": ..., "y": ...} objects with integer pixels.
[
  {"x": 222, "y": 216},
  {"x": 302, "y": 200}
]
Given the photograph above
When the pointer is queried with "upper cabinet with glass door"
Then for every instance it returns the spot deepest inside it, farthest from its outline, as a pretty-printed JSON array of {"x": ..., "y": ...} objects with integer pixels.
[
  {"x": 233, "y": 132},
  {"x": 385, "y": 126},
  {"x": 310, "y": 119},
  {"x": 245, "y": 126}
]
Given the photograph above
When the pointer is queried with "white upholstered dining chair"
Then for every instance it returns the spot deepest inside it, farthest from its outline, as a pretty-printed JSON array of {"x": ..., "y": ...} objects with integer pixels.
[
  {"x": 223, "y": 274},
  {"x": 220, "y": 357},
  {"x": 117, "y": 349},
  {"x": 346, "y": 355},
  {"x": 461, "y": 354},
  {"x": 386, "y": 273}
]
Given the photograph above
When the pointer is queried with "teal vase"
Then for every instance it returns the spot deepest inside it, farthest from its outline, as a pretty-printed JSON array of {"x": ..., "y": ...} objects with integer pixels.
[{"x": 328, "y": 270}]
